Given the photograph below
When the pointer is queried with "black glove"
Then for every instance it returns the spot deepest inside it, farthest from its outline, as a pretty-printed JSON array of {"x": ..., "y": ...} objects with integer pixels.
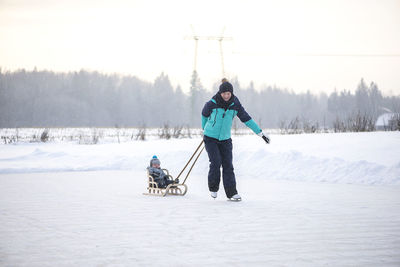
[{"x": 265, "y": 137}]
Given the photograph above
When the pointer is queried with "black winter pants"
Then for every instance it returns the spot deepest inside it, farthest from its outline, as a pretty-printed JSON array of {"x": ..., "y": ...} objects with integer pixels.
[
  {"x": 163, "y": 182},
  {"x": 220, "y": 153}
]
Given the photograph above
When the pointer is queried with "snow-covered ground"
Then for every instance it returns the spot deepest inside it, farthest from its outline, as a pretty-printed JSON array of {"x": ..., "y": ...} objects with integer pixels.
[
  {"x": 358, "y": 158},
  {"x": 308, "y": 200}
]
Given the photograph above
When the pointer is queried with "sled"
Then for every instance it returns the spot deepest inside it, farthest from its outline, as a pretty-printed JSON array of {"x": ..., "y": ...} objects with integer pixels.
[{"x": 172, "y": 189}]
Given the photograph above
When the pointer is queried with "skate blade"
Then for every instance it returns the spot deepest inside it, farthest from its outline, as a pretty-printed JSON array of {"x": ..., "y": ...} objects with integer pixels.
[{"x": 235, "y": 199}]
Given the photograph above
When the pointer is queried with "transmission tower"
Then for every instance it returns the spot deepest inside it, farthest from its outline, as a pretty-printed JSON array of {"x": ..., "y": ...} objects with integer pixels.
[{"x": 220, "y": 39}]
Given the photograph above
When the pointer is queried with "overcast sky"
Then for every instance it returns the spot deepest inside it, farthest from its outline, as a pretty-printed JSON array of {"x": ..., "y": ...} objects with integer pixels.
[{"x": 296, "y": 44}]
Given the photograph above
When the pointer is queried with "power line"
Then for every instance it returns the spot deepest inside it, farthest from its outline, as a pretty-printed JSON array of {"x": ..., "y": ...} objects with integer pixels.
[{"x": 313, "y": 55}]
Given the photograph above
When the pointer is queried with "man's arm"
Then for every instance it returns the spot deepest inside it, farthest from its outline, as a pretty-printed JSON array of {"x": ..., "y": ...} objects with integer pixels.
[
  {"x": 247, "y": 120},
  {"x": 205, "y": 113}
]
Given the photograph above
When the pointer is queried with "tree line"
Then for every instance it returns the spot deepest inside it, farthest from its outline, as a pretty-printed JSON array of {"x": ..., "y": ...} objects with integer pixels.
[{"x": 92, "y": 99}]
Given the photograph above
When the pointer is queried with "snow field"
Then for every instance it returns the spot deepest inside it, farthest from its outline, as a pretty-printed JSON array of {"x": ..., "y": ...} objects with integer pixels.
[
  {"x": 101, "y": 218},
  {"x": 308, "y": 200},
  {"x": 355, "y": 158}
]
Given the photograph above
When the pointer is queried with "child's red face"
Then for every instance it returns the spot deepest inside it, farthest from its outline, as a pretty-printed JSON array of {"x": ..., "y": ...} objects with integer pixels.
[{"x": 155, "y": 165}]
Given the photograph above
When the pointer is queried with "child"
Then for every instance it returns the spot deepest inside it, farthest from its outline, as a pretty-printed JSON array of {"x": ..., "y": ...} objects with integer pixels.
[{"x": 158, "y": 174}]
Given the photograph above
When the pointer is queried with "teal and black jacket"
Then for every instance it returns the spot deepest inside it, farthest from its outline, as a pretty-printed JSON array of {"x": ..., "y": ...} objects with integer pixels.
[{"x": 217, "y": 121}]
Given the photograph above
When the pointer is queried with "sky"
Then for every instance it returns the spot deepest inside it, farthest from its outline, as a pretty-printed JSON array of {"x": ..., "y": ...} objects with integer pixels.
[{"x": 295, "y": 44}]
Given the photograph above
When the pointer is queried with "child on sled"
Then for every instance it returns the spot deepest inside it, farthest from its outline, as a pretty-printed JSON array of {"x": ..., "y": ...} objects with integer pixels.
[{"x": 160, "y": 177}]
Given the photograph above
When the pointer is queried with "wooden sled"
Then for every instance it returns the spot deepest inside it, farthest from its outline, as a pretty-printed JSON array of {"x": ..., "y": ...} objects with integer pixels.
[{"x": 171, "y": 189}]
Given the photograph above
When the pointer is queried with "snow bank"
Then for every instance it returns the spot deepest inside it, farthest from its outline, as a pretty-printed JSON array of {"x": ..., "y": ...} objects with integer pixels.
[{"x": 356, "y": 158}]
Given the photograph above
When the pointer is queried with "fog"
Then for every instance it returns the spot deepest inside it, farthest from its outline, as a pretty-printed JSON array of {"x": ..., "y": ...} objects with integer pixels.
[{"x": 93, "y": 99}]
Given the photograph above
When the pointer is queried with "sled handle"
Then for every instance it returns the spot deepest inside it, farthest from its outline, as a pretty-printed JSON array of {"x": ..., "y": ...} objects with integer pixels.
[
  {"x": 202, "y": 141},
  {"x": 187, "y": 175}
]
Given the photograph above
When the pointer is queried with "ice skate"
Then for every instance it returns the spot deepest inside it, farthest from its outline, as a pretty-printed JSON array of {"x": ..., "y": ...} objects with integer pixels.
[{"x": 235, "y": 198}]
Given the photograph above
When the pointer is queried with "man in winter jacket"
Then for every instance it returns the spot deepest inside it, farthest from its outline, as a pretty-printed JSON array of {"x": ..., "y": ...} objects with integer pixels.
[{"x": 217, "y": 117}]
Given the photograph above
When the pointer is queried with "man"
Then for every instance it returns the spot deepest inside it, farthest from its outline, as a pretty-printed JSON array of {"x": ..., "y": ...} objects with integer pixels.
[{"x": 217, "y": 117}]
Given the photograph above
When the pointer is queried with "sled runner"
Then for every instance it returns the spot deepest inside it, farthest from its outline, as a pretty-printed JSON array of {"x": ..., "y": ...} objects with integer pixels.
[{"x": 171, "y": 189}]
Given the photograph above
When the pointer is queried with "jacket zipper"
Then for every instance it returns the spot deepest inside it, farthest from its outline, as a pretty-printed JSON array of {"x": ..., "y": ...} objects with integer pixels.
[{"x": 215, "y": 118}]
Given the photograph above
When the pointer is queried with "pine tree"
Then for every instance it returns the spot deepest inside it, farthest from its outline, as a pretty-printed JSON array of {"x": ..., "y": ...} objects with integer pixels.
[{"x": 197, "y": 99}]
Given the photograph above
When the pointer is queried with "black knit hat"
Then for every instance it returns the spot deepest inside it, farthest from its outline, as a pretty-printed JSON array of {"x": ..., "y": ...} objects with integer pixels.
[{"x": 225, "y": 87}]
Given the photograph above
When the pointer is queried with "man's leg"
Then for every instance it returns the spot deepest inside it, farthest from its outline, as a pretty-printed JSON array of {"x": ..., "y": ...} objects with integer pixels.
[
  {"x": 214, "y": 174},
  {"x": 228, "y": 175}
]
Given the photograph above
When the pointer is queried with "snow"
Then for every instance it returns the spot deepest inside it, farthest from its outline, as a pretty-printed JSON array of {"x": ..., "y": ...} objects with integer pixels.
[
  {"x": 357, "y": 158},
  {"x": 308, "y": 200},
  {"x": 101, "y": 218},
  {"x": 384, "y": 119}
]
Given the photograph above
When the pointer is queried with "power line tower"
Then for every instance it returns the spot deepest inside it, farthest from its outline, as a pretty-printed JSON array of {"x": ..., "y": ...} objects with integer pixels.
[{"x": 219, "y": 38}]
